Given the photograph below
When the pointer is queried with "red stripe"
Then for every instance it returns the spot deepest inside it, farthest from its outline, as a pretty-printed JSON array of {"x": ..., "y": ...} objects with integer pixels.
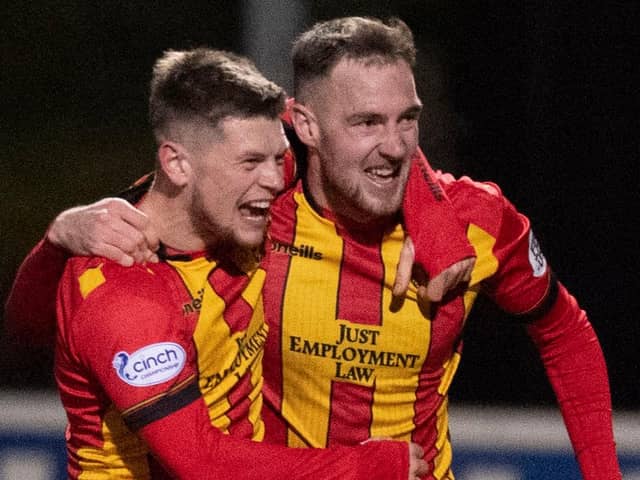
[
  {"x": 229, "y": 286},
  {"x": 360, "y": 290},
  {"x": 277, "y": 266},
  {"x": 350, "y": 416},
  {"x": 359, "y": 301},
  {"x": 447, "y": 317},
  {"x": 240, "y": 426},
  {"x": 237, "y": 315}
]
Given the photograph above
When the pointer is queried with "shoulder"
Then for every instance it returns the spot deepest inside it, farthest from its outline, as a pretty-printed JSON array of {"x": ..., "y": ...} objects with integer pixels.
[
  {"x": 465, "y": 188},
  {"x": 475, "y": 202},
  {"x": 98, "y": 293},
  {"x": 96, "y": 276}
]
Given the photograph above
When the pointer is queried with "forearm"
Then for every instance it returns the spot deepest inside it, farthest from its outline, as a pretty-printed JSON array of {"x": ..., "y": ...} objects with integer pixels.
[
  {"x": 206, "y": 453},
  {"x": 577, "y": 371},
  {"x": 30, "y": 316}
]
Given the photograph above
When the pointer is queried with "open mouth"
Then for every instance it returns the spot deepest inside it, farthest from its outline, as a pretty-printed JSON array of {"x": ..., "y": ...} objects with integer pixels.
[
  {"x": 381, "y": 175},
  {"x": 257, "y": 210}
]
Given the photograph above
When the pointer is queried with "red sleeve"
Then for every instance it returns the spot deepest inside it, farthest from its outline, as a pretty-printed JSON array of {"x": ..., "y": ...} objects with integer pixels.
[
  {"x": 517, "y": 277},
  {"x": 30, "y": 315},
  {"x": 205, "y": 453},
  {"x": 437, "y": 233},
  {"x": 576, "y": 369},
  {"x": 171, "y": 416}
]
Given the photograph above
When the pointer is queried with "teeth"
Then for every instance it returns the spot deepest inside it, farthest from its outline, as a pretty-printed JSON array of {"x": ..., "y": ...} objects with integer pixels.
[
  {"x": 381, "y": 172},
  {"x": 263, "y": 204},
  {"x": 256, "y": 208}
]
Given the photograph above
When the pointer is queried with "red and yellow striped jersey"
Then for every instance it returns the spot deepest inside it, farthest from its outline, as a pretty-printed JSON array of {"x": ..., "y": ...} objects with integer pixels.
[
  {"x": 132, "y": 349},
  {"x": 345, "y": 360}
]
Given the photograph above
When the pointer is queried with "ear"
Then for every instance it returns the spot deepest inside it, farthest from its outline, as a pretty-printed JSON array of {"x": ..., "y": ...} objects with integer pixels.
[
  {"x": 175, "y": 162},
  {"x": 305, "y": 124}
]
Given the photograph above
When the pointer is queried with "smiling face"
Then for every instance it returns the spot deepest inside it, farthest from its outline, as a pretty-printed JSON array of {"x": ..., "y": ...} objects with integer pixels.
[
  {"x": 367, "y": 119},
  {"x": 237, "y": 175}
]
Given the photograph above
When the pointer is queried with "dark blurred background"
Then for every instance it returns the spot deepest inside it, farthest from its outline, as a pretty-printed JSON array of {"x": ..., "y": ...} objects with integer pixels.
[{"x": 540, "y": 97}]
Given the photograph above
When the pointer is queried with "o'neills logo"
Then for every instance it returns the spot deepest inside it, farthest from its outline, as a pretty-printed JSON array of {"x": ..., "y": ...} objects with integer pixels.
[{"x": 305, "y": 251}]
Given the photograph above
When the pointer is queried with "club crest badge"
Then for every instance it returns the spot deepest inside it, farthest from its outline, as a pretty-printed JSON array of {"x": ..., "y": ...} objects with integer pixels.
[{"x": 536, "y": 257}]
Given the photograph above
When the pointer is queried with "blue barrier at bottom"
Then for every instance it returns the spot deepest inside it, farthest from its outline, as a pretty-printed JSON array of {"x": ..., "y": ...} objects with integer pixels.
[
  {"x": 478, "y": 464},
  {"x": 488, "y": 443}
]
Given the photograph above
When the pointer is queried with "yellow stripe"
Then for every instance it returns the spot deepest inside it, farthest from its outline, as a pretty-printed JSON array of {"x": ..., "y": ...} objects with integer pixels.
[
  {"x": 123, "y": 455},
  {"x": 486, "y": 262},
  {"x": 90, "y": 279},
  {"x": 219, "y": 348},
  {"x": 404, "y": 332},
  {"x": 442, "y": 462},
  {"x": 193, "y": 273},
  {"x": 314, "y": 279}
]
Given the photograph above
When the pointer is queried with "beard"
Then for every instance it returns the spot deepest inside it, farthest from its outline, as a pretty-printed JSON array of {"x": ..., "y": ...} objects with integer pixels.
[
  {"x": 221, "y": 243},
  {"x": 358, "y": 201}
]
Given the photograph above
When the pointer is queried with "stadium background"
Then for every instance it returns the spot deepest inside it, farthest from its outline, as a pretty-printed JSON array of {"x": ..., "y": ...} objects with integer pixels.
[{"x": 538, "y": 97}]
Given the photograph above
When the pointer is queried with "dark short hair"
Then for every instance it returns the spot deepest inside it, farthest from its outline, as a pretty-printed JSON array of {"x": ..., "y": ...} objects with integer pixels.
[
  {"x": 319, "y": 49},
  {"x": 207, "y": 85}
]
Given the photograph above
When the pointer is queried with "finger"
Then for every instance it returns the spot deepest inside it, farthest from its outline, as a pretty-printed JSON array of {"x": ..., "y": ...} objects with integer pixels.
[
  {"x": 405, "y": 267},
  {"x": 115, "y": 254},
  {"x": 422, "y": 468},
  {"x": 437, "y": 287},
  {"x": 468, "y": 269},
  {"x": 153, "y": 258},
  {"x": 146, "y": 238},
  {"x": 130, "y": 240},
  {"x": 450, "y": 278},
  {"x": 152, "y": 238},
  {"x": 416, "y": 450},
  {"x": 461, "y": 273},
  {"x": 128, "y": 213}
]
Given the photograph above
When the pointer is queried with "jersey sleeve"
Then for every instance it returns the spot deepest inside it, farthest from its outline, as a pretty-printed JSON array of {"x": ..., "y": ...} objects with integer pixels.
[
  {"x": 516, "y": 275},
  {"x": 129, "y": 341},
  {"x": 123, "y": 330},
  {"x": 206, "y": 453},
  {"x": 510, "y": 263},
  {"x": 576, "y": 369},
  {"x": 438, "y": 234},
  {"x": 30, "y": 314}
]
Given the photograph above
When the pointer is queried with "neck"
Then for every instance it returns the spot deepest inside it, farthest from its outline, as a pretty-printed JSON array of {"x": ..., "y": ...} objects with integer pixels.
[{"x": 169, "y": 217}]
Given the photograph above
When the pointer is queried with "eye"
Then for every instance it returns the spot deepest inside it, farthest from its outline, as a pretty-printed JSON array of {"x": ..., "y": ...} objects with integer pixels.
[
  {"x": 280, "y": 159},
  {"x": 368, "y": 122},
  {"x": 410, "y": 118},
  {"x": 250, "y": 163},
  {"x": 409, "y": 122}
]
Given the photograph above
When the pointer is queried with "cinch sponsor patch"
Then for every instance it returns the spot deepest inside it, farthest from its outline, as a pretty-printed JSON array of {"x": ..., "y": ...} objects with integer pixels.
[
  {"x": 150, "y": 365},
  {"x": 536, "y": 257}
]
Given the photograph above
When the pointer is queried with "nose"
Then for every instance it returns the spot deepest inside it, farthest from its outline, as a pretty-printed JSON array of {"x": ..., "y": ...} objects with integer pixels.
[
  {"x": 394, "y": 145},
  {"x": 272, "y": 176}
]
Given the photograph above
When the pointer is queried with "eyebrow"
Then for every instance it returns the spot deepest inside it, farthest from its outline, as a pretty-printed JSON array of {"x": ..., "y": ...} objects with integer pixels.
[
  {"x": 412, "y": 111},
  {"x": 365, "y": 116},
  {"x": 258, "y": 154}
]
